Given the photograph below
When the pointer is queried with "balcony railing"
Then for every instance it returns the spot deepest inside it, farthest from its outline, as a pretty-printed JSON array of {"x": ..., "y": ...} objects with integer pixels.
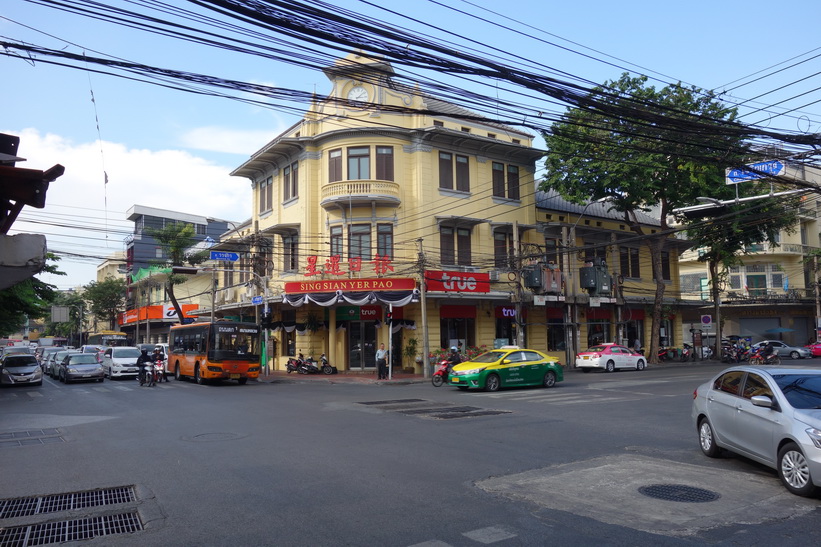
[
  {"x": 767, "y": 296},
  {"x": 360, "y": 192}
]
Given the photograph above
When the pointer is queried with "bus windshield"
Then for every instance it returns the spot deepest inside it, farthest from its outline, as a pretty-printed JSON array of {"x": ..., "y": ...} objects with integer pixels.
[{"x": 234, "y": 342}]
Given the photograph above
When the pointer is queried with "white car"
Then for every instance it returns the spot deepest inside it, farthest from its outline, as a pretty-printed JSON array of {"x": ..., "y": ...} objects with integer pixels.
[
  {"x": 609, "y": 357},
  {"x": 164, "y": 350},
  {"x": 121, "y": 361}
]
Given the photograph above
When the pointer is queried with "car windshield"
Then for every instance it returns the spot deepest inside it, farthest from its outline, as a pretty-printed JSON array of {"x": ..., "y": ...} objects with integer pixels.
[
  {"x": 20, "y": 361},
  {"x": 596, "y": 348},
  {"x": 801, "y": 390},
  {"x": 91, "y": 349},
  {"x": 489, "y": 357},
  {"x": 124, "y": 353},
  {"x": 84, "y": 359}
]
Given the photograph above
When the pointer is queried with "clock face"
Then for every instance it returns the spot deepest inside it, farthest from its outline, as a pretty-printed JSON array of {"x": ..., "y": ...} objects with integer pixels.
[{"x": 358, "y": 93}]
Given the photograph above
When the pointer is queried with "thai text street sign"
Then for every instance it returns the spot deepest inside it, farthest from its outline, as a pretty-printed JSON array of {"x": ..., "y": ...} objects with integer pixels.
[
  {"x": 225, "y": 256},
  {"x": 756, "y": 171}
]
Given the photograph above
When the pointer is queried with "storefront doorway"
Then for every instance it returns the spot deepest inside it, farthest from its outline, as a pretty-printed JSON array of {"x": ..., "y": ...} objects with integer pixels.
[{"x": 361, "y": 345}]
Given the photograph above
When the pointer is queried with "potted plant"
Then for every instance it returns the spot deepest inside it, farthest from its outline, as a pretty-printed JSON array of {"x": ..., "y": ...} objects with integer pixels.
[{"x": 409, "y": 351}]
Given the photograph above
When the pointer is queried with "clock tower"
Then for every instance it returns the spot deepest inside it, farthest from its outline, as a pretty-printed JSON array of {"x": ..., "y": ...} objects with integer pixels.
[{"x": 359, "y": 79}]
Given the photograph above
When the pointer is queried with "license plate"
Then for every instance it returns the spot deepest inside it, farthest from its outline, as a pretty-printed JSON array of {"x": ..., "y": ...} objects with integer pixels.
[
  {"x": 235, "y": 376},
  {"x": 585, "y": 357},
  {"x": 454, "y": 380},
  {"x": 86, "y": 375}
]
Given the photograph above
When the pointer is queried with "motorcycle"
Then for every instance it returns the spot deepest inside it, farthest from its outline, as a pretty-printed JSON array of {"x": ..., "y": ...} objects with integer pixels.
[
  {"x": 293, "y": 365},
  {"x": 149, "y": 374},
  {"x": 757, "y": 358},
  {"x": 325, "y": 366},
  {"x": 440, "y": 376},
  {"x": 664, "y": 354},
  {"x": 308, "y": 366},
  {"x": 687, "y": 353}
]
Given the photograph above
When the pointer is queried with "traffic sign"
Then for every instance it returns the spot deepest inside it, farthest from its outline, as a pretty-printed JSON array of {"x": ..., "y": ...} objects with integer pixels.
[
  {"x": 763, "y": 169},
  {"x": 256, "y": 301},
  {"x": 225, "y": 256},
  {"x": 706, "y": 321}
]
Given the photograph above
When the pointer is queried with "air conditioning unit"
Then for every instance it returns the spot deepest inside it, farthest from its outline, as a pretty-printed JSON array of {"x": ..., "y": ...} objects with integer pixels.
[{"x": 494, "y": 275}]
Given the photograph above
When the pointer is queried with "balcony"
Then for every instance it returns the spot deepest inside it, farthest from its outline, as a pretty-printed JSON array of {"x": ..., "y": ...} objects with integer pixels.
[
  {"x": 768, "y": 296},
  {"x": 358, "y": 193}
]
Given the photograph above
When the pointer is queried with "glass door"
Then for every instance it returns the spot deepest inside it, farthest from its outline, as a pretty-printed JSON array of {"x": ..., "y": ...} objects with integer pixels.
[{"x": 361, "y": 345}]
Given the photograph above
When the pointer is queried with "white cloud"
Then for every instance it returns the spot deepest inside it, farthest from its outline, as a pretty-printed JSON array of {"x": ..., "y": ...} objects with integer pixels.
[
  {"x": 166, "y": 179},
  {"x": 220, "y": 139}
]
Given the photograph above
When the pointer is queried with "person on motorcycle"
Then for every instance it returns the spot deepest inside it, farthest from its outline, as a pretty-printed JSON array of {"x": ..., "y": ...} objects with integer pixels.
[
  {"x": 767, "y": 352},
  {"x": 453, "y": 359},
  {"x": 141, "y": 361},
  {"x": 158, "y": 358}
]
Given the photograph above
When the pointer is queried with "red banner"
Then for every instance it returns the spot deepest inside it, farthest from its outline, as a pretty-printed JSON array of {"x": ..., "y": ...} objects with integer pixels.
[
  {"x": 457, "y": 281},
  {"x": 351, "y": 285}
]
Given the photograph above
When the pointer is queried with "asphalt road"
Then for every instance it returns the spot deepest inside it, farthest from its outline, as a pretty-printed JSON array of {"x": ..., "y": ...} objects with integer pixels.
[{"x": 317, "y": 463}]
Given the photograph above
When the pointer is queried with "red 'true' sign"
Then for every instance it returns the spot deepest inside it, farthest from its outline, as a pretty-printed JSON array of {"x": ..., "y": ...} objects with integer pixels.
[{"x": 457, "y": 281}]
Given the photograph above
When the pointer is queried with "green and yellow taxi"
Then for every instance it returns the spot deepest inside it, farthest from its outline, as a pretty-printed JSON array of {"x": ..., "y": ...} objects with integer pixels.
[{"x": 508, "y": 366}]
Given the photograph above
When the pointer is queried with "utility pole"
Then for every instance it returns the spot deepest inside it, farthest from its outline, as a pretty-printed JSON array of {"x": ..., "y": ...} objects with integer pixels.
[
  {"x": 517, "y": 264},
  {"x": 817, "y": 295},
  {"x": 424, "y": 304}
]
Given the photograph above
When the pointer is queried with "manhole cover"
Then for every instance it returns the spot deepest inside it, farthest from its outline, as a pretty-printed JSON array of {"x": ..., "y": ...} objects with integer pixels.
[{"x": 679, "y": 492}]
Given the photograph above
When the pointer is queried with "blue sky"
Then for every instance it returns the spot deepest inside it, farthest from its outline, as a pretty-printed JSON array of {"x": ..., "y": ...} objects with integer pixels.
[{"x": 174, "y": 150}]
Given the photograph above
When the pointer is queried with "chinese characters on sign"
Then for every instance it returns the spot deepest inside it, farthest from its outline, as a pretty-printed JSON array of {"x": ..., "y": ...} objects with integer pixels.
[{"x": 333, "y": 266}]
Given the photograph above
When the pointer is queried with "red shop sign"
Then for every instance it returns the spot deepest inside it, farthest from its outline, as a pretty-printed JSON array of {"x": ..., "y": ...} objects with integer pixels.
[{"x": 457, "y": 281}]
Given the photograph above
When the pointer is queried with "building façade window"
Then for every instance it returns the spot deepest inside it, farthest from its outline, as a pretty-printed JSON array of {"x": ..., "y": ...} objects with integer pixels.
[
  {"x": 454, "y": 245},
  {"x": 505, "y": 180},
  {"x": 629, "y": 262},
  {"x": 502, "y": 249},
  {"x": 290, "y": 182},
  {"x": 290, "y": 253},
  {"x": 359, "y": 241},
  {"x": 384, "y": 240},
  {"x": 454, "y": 167},
  {"x": 359, "y": 166},
  {"x": 384, "y": 163},
  {"x": 335, "y": 165},
  {"x": 336, "y": 241},
  {"x": 266, "y": 194}
]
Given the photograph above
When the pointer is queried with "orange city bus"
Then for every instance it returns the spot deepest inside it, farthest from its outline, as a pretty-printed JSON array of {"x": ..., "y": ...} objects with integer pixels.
[{"x": 214, "y": 351}]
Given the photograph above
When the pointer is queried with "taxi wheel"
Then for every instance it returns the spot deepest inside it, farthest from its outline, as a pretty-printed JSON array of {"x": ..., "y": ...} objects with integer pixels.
[
  {"x": 549, "y": 379},
  {"x": 640, "y": 365},
  {"x": 610, "y": 366},
  {"x": 492, "y": 383}
]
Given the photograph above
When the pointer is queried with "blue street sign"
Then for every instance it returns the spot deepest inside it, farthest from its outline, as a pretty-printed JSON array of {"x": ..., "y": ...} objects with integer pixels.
[
  {"x": 256, "y": 301},
  {"x": 224, "y": 256},
  {"x": 765, "y": 168}
]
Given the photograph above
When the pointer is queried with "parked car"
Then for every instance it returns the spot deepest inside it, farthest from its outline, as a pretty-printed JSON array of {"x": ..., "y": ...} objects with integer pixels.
[
  {"x": 508, "y": 366},
  {"x": 783, "y": 350},
  {"x": 55, "y": 360},
  {"x": 768, "y": 414},
  {"x": 20, "y": 368},
  {"x": 81, "y": 366},
  {"x": 610, "y": 357},
  {"x": 121, "y": 361},
  {"x": 16, "y": 350}
]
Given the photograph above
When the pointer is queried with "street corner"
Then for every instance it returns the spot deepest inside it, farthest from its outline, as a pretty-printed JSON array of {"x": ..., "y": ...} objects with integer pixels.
[{"x": 653, "y": 495}]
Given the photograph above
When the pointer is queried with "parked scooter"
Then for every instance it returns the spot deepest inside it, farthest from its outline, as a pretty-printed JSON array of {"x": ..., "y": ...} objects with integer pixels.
[
  {"x": 293, "y": 365},
  {"x": 687, "y": 353},
  {"x": 326, "y": 366},
  {"x": 664, "y": 354},
  {"x": 440, "y": 376},
  {"x": 308, "y": 366}
]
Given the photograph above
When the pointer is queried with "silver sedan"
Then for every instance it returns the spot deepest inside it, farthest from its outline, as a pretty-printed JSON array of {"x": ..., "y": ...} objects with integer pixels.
[
  {"x": 768, "y": 414},
  {"x": 783, "y": 350}
]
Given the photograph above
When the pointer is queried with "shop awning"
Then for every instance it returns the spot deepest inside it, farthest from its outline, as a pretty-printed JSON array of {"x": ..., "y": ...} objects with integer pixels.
[{"x": 395, "y": 298}]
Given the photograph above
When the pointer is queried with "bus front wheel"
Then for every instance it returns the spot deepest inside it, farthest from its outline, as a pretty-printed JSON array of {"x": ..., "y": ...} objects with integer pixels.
[
  {"x": 242, "y": 381},
  {"x": 197, "y": 377},
  {"x": 177, "y": 372}
]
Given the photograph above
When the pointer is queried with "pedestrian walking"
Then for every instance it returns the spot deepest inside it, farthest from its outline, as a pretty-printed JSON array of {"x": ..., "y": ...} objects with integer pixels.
[{"x": 382, "y": 362}]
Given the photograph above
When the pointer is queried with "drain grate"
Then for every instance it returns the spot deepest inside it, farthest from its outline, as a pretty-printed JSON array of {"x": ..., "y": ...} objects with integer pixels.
[
  {"x": 679, "y": 492},
  {"x": 38, "y": 505},
  {"x": 70, "y": 530}
]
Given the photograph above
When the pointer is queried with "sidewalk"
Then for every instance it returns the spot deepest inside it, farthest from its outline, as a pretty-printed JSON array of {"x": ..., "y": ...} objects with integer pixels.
[
  {"x": 404, "y": 378},
  {"x": 342, "y": 377}
]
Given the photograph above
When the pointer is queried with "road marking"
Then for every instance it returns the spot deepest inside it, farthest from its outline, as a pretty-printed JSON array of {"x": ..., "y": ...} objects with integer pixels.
[
  {"x": 491, "y": 534},
  {"x": 34, "y": 394},
  {"x": 431, "y": 543}
]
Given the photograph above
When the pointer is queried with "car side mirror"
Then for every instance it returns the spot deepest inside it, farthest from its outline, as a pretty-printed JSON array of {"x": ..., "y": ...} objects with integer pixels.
[
  {"x": 506, "y": 361},
  {"x": 762, "y": 401}
]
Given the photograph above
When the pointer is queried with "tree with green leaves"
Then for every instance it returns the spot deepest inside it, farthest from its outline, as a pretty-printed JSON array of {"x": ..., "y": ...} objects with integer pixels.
[
  {"x": 642, "y": 148},
  {"x": 106, "y": 299},
  {"x": 177, "y": 240},
  {"x": 30, "y": 298}
]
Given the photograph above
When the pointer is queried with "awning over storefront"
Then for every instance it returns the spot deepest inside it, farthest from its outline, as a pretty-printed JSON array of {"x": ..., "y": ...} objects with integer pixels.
[{"x": 361, "y": 298}]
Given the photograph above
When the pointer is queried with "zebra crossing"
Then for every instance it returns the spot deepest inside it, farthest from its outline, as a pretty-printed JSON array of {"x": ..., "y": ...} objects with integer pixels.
[
  {"x": 483, "y": 536},
  {"x": 24, "y": 393}
]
